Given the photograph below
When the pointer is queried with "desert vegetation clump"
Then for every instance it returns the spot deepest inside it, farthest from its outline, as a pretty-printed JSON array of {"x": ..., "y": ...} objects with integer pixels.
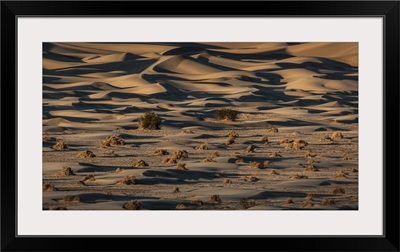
[
  {"x": 311, "y": 168},
  {"x": 149, "y": 121},
  {"x": 71, "y": 198},
  {"x": 140, "y": 163},
  {"x": 255, "y": 164},
  {"x": 310, "y": 154},
  {"x": 175, "y": 190},
  {"x": 298, "y": 176},
  {"x": 274, "y": 154},
  {"x": 215, "y": 199},
  {"x": 215, "y": 154},
  {"x": 341, "y": 174},
  {"x": 111, "y": 141},
  {"x": 328, "y": 202},
  {"x": 336, "y": 136},
  {"x": 208, "y": 160},
  {"x": 187, "y": 131},
  {"x": 239, "y": 161},
  {"x": 273, "y": 130},
  {"x": 299, "y": 144},
  {"x": 181, "y": 166},
  {"x": 308, "y": 204},
  {"x": 264, "y": 139},
  {"x": 133, "y": 205},
  {"x": 49, "y": 139},
  {"x": 289, "y": 201},
  {"x": 118, "y": 170},
  {"x": 179, "y": 154},
  {"x": 86, "y": 154},
  {"x": 227, "y": 181},
  {"x": 60, "y": 145},
  {"x": 230, "y": 140},
  {"x": 337, "y": 190},
  {"x": 202, "y": 147},
  {"x": 226, "y": 114},
  {"x": 89, "y": 178},
  {"x": 250, "y": 179},
  {"x": 246, "y": 203},
  {"x": 127, "y": 180},
  {"x": 274, "y": 173},
  {"x": 250, "y": 149},
  {"x": 48, "y": 187},
  {"x": 160, "y": 152},
  {"x": 232, "y": 133},
  {"x": 67, "y": 171}
]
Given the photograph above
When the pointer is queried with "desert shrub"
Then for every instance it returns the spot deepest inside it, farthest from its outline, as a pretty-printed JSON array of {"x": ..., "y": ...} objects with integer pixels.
[
  {"x": 180, "y": 154},
  {"x": 118, "y": 170},
  {"x": 88, "y": 178},
  {"x": 298, "y": 176},
  {"x": 60, "y": 145},
  {"x": 308, "y": 204},
  {"x": 49, "y": 139},
  {"x": 250, "y": 149},
  {"x": 299, "y": 144},
  {"x": 140, "y": 163},
  {"x": 232, "y": 133},
  {"x": 341, "y": 174},
  {"x": 337, "y": 190},
  {"x": 289, "y": 201},
  {"x": 86, "y": 154},
  {"x": 71, "y": 198},
  {"x": 202, "y": 147},
  {"x": 149, "y": 121},
  {"x": 337, "y": 135},
  {"x": 255, "y": 164},
  {"x": 226, "y": 114},
  {"x": 215, "y": 199},
  {"x": 215, "y": 154},
  {"x": 274, "y": 154},
  {"x": 133, "y": 205},
  {"x": 127, "y": 180},
  {"x": 328, "y": 202},
  {"x": 161, "y": 152},
  {"x": 208, "y": 160},
  {"x": 227, "y": 181},
  {"x": 273, "y": 130},
  {"x": 48, "y": 187},
  {"x": 187, "y": 131},
  {"x": 111, "y": 141},
  {"x": 175, "y": 190},
  {"x": 169, "y": 160},
  {"x": 230, "y": 140},
  {"x": 239, "y": 161},
  {"x": 311, "y": 168},
  {"x": 250, "y": 179},
  {"x": 67, "y": 171},
  {"x": 264, "y": 139},
  {"x": 273, "y": 172},
  {"x": 181, "y": 166}
]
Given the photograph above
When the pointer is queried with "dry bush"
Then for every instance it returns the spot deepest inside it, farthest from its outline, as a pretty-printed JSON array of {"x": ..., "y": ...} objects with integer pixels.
[
  {"x": 289, "y": 201},
  {"x": 298, "y": 176},
  {"x": 60, "y": 145},
  {"x": 328, "y": 202},
  {"x": 202, "y": 147},
  {"x": 239, "y": 161},
  {"x": 326, "y": 138},
  {"x": 181, "y": 206},
  {"x": 273, "y": 173},
  {"x": 235, "y": 154},
  {"x": 311, "y": 168},
  {"x": 197, "y": 202},
  {"x": 250, "y": 179},
  {"x": 246, "y": 204},
  {"x": 180, "y": 154},
  {"x": 89, "y": 178},
  {"x": 227, "y": 181},
  {"x": 286, "y": 141},
  {"x": 341, "y": 174},
  {"x": 215, "y": 199},
  {"x": 230, "y": 140},
  {"x": 111, "y": 141},
  {"x": 308, "y": 204},
  {"x": 208, "y": 160},
  {"x": 71, "y": 198},
  {"x": 255, "y": 164},
  {"x": 250, "y": 149},
  {"x": 232, "y": 133},
  {"x": 354, "y": 170},
  {"x": 86, "y": 154},
  {"x": 273, "y": 130},
  {"x": 118, "y": 170},
  {"x": 215, "y": 154},
  {"x": 337, "y": 190},
  {"x": 169, "y": 160},
  {"x": 133, "y": 205},
  {"x": 127, "y": 180},
  {"x": 79, "y": 182},
  {"x": 264, "y": 139},
  {"x": 48, "y": 187},
  {"x": 226, "y": 114},
  {"x": 299, "y": 144},
  {"x": 310, "y": 154},
  {"x": 140, "y": 163},
  {"x": 187, "y": 131},
  {"x": 161, "y": 152},
  {"x": 309, "y": 197},
  {"x": 274, "y": 154},
  {"x": 175, "y": 190},
  {"x": 149, "y": 121},
  {"x": 336, "y": 135},
  {"x": 67, "y": 171},
  {"x": 181, "y": 166}
]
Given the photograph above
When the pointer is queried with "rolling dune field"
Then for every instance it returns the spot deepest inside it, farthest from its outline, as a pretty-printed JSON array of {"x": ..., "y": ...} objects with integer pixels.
[{"x": 294, "y": 143}]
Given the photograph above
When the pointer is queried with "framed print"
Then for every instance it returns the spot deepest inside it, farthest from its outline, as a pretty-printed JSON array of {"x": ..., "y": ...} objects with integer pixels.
[{"x": 231, "y": 128}]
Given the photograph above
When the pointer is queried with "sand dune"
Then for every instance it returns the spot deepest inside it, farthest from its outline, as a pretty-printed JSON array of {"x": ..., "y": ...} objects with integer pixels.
[{"x": 307, "y": 91}]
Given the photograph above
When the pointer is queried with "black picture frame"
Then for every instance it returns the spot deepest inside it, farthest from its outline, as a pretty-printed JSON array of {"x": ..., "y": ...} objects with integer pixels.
[{"x": 11, "y": 10}]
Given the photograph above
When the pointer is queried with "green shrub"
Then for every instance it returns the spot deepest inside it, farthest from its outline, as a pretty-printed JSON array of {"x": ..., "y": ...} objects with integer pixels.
[
  {"x": 226, "y": 114},
  {"x": 149, "y": 121}
]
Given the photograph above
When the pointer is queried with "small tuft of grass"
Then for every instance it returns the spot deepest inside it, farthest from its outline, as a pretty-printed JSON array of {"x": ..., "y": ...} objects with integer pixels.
[
  {"x": 337, "y": 190},
  {"x": 181, "y": 166},
  {"x": 49, "y": 139},
  {"x": 89, "y": 178},
  {"x": 67, "y": 171},
  {"x": 273, "y": 130},
  {"x": 298, "y": 176},
  {"x": 86, "y": 154},
  {"x": 111, "y": 141},
  {"x": 328, "y": 202},
  {"x": 311, "y": 168},
  {"x": 179, "y": 154},
  {"x": 140, "y": 163},
  {"x": 215, "y": 154},
  {"x": 226, "y": 114},
  {"x": 308, "y": 204},
  {"x": 255, "y": 164},
  {"x": 133, "y": 205},
  {"x": 239, "y": 161},
  {"x": 60, "y": 145},
  {"x": 274, "y": 154},
  {"x": 149, "y": 121},
  {"x": 232, "y": 133},
  {"x": 208, "y": 160},
  {"x": 202, "y": 147},
  {"x": 161, "y": 152},
  {"x": 118, "y": 170},
  {"x": 310, "y": 154},
  {"x": 250, "y": 149},
  {"x": 336, "y": 136},
  {"x": 230, "y": 140},
  {"x": 274, "y": 173},
  {"x": 250, "y": 179},
  {"x": 299, "y": 144},
  {"x": 215, "y": 199},
  {"x": 48, "y": 187},
  {"x": 264, "y": 139},
  {"x": 341, "y": 174},
  {"x": 127, "y": 180},
  {"x": 187, "y": 131}
]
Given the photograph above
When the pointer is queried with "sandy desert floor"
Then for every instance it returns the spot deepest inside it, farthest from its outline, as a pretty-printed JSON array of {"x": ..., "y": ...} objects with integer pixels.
[{"x": 286, "y": 94}]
